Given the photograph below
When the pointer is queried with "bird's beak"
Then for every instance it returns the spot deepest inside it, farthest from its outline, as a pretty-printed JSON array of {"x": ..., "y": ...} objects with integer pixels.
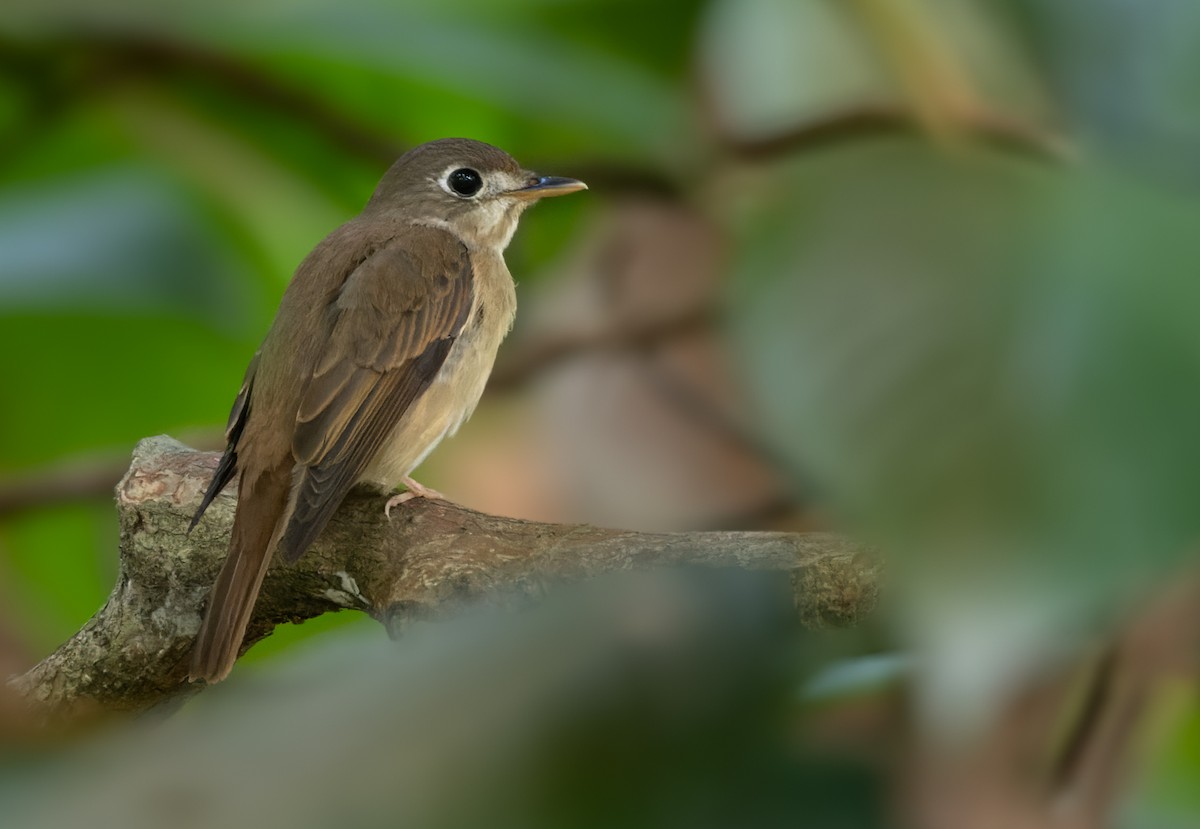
[{"x": 542, "y": 186}]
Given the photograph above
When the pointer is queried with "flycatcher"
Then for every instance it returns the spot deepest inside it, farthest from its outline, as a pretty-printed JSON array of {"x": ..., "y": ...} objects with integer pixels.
[{"x": 381, "y": 347}]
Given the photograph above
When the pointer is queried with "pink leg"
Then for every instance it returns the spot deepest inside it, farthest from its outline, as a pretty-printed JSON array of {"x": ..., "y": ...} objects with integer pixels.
[{"x": 412, "y": 490}]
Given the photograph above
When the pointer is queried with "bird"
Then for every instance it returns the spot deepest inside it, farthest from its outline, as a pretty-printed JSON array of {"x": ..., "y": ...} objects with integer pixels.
[{"x": 381, "y": 347}]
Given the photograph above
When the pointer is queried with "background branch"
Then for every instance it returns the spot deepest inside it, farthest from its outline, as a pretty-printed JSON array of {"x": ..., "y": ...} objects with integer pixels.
[{"x": 429, "y": 559}]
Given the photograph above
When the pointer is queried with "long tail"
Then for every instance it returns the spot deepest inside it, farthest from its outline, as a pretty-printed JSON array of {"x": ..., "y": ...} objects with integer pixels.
[{"x": 262, "y": 502}]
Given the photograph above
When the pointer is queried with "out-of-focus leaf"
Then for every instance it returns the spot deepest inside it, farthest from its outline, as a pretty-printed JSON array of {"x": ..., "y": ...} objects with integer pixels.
[
  {"x": 119, "y": 241},
  {"x": 482, "y": 61},
  {"x": 286, "y": 216},
  {"x": 1167, "y": 797},
  {"x": 532, "y": 73},
  {"x": 78, "y": 382},
  {"x": 80, "y": 143},
  {"x": 982, "y": 345},
  {"x": 994, "y": 367},
  {"x": 60, "y": 566},
  {"x": 650, "y": 700},
  {"x": 1128, "y": 75},
  {"x": 775, "y": 65}
]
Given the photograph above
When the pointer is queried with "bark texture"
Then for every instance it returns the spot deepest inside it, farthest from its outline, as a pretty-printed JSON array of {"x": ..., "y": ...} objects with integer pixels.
[{"x": 428, "y": 559}]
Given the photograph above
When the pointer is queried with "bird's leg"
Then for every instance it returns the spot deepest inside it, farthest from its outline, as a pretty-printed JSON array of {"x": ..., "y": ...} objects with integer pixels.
[{"x": 412, "y": 489}]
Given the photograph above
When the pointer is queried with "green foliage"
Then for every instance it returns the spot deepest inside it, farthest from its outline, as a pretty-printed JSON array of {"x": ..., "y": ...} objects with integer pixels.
[
  {"x": 993, "y": 352},
  {"x": 978, "y": 339},
  {"x": 161, "y": 179}
]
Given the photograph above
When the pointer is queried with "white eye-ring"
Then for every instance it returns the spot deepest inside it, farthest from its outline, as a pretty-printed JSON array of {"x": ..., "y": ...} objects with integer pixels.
[{"x": 463, "y": 182}]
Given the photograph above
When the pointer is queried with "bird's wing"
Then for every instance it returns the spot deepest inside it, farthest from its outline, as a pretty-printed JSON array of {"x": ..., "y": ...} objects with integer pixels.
[
  {"x": 233, "y": 432},
  {"x": 391, "y": 327}
]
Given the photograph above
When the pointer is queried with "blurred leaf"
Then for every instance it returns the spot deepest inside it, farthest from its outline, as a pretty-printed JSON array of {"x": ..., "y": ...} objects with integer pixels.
[
  {"x": 61, "y": 564},
  {"x": 81, "y": 381},
  {"x": 647, "y": 700},
  {"x": 1128, "y": 75},
  {"x": 979, "y": 348},
  {"x": 295, "y": 639},
  {"x": 995, "y": 370},
  {"x": 286, "y": 216},
  {"x": 952, "y": 59},
  {"x": 775, "y": 65},
  {"x": 506, "y": 61},
  {"x": 1167, "y": 797},
  {"x": 118, "y": 241},
  {"x": 535, "y": 74}
]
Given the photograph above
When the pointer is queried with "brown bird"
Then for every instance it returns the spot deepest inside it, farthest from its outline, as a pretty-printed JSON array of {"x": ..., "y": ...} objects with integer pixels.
[{"x": 381, "y": 347}]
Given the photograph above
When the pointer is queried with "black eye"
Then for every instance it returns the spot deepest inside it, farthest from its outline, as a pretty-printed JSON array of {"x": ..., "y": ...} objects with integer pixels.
[{"x": 465, "y": 181}]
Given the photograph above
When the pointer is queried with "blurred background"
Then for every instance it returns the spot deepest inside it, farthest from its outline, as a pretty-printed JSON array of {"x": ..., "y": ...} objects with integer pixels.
[{"x": 922, "y": 271}]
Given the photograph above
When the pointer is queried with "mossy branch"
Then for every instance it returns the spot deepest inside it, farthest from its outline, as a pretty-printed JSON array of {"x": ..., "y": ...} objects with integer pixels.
[{"x": 428, "y": 559}]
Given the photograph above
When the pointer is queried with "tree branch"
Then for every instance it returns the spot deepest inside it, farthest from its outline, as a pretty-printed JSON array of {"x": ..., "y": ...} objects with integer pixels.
[
  {"x": 867, "y": 121},
  {"x": 430, "y": 558}
]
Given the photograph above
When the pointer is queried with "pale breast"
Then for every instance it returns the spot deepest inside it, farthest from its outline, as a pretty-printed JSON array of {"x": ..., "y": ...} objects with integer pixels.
[{"x": 456, "y": 390}]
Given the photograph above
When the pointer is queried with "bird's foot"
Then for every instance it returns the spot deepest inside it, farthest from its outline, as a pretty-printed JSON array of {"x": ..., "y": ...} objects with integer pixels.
[{"x": 412, "y": 490}]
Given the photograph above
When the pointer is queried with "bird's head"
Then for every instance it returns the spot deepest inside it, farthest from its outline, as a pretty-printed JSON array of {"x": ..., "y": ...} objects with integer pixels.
[{"x": 472, "y": 189}]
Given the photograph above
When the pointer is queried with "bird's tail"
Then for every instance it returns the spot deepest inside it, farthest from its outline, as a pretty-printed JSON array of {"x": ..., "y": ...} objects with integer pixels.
[{"x": 262, "y": 503}]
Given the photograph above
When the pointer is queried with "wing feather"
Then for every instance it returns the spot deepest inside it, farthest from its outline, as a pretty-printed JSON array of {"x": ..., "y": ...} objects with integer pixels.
[
  {"x": 397, "y": 317},
  {"x": 227, "y": 467}
]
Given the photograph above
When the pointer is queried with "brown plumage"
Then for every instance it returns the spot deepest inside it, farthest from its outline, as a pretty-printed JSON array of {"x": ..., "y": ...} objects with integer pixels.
[{"x": 381, "y": 347}]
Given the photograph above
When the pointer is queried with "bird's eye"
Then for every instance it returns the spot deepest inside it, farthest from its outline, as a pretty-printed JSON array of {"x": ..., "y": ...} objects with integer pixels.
[{"x": 465, "y": 182}]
